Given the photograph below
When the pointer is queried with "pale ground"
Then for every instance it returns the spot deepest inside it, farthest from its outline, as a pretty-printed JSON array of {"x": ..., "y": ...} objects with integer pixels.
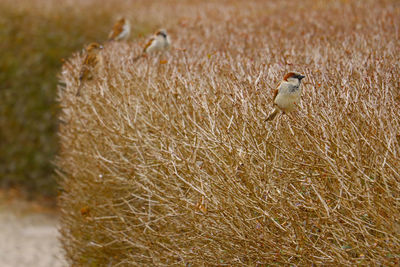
[{"x": 28, "y": 236}]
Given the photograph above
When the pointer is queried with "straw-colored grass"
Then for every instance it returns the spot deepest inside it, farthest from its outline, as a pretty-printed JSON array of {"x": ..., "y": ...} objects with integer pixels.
[{"x": 169, "y": 160}]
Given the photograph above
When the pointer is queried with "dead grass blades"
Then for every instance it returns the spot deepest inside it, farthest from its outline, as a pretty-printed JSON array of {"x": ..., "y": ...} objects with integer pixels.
[{"x": 171, "y": 161}]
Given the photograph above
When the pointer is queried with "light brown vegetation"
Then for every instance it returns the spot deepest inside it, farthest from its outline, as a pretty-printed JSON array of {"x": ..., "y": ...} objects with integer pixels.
[{"x": 169, "y": 160}]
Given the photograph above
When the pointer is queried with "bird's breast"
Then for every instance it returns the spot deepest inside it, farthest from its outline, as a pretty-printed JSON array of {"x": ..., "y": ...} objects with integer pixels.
[{"x": 287, "y": 100}]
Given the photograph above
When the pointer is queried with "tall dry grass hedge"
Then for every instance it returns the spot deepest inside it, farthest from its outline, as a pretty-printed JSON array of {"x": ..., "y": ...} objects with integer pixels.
[{"x": 168, "y": 161}]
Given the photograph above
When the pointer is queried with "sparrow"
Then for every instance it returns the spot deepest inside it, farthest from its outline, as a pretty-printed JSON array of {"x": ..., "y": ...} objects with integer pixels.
[
  {"x": 120, "y": 30},
  {"x": 160, "y": 41},
  {"x": 287, "y": 94},
  {"x": 90, "y": 63}
]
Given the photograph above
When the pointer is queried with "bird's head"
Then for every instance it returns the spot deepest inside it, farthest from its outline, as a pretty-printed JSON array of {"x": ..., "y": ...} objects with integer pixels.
[
  {"x": 293, "y": 77},
  {"x": 93, "y": 47},
  {"x": 122, "y": 21},
  {"x": 162, "y": 33}
]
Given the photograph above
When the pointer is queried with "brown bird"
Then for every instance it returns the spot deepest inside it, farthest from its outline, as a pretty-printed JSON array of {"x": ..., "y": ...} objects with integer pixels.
[
  {"x": 287, "y": 94},
  {"x": 90, "y": 64},
  {"x": 120, "y": 31},
  {"x": 160, "y": 41}
]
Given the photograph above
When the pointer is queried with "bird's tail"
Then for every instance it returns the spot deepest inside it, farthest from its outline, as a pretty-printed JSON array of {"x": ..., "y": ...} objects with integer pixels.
[{"x": 272, "y": 115}]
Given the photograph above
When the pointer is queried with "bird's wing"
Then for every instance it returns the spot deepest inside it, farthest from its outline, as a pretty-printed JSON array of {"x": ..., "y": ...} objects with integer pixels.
[
  {"x": 276, "y": 91},
  {"x": 89, "y": 62},
  {"x": 149, "y": 43},
  {"x": 116, "y": 31},
  {"x": 84, "y": 73}
]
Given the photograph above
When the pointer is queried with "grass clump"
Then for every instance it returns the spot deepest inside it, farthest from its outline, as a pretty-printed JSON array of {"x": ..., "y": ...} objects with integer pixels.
[{"x": 169, "y": 160}]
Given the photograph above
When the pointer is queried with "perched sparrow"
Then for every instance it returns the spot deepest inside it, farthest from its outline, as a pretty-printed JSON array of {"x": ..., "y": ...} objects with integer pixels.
[
  {"x": 287, "y": 95},
  {"x": 120, "y": 31},
  {"x": 160, "y": 41},
  {"x": 92, "y": 61}
]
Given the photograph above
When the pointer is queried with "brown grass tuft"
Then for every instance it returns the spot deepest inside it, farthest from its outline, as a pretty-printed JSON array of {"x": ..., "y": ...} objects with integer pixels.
[{"x": 169, "y": 160}]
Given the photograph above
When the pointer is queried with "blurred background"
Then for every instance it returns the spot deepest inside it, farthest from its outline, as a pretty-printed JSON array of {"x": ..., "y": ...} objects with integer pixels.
[
  {"x": 35, "y": 38},
  {"x": 33, "y": 41}
]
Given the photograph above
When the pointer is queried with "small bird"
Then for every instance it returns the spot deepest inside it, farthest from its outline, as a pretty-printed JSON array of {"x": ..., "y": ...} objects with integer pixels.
[
  {"x": 120, "y": 30},
  {"x": 287, "y": 94},
  {"x": 90, "y": 63},
  {"x": 160, "y": 41}
]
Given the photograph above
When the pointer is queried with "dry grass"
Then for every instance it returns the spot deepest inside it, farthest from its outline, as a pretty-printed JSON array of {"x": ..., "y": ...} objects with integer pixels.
[{"x": 169, "y": 161}]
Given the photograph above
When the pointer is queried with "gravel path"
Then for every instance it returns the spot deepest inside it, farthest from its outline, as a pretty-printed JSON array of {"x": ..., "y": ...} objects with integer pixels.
[{"x": 29, "y": 239}]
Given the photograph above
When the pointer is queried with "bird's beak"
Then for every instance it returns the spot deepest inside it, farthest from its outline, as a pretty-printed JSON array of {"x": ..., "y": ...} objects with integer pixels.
[{"x": 301, "y": 77}]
